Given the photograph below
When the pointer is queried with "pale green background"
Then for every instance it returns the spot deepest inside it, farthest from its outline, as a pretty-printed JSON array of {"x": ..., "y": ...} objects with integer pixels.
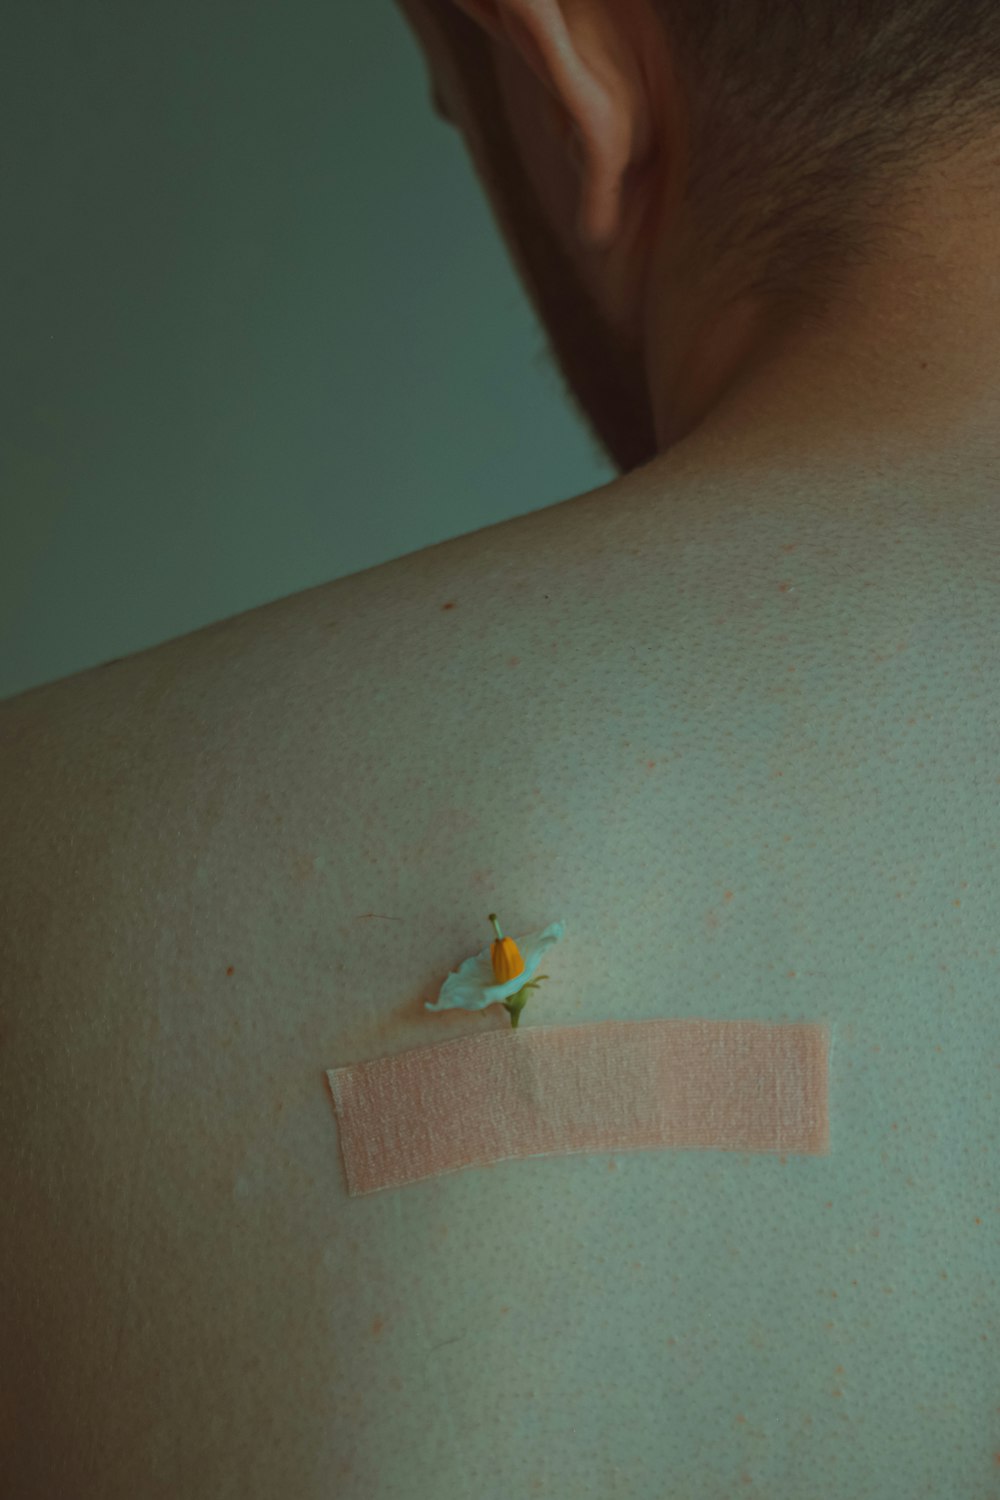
[{"x": 259, "y": 328}]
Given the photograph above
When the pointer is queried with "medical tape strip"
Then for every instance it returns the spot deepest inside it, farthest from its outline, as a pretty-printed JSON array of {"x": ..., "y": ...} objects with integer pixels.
[{"x": 606, "y": 1086}]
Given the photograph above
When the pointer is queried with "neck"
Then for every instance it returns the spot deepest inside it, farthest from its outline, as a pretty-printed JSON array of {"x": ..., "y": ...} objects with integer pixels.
[{"x": 906, "y": 365}]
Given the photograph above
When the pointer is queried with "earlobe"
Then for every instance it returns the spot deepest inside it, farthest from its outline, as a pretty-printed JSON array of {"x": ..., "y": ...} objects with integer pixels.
[
  {"x": 555, "y": 44},
  {"x": 597, "y": 222}
]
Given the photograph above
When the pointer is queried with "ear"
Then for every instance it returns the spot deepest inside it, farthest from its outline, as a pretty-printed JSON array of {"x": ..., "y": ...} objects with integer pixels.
[{"x": 570, "y": 49}]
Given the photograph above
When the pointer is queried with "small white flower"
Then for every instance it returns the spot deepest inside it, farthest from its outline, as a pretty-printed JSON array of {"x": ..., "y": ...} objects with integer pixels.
[{"x": 498, "y": 974}]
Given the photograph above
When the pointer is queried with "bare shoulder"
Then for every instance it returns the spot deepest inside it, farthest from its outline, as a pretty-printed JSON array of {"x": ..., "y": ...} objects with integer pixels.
[
  {"x": 160, "y": 1068},
  {"x": 185, "y": 948},
  {"x": 250, "y": 854}
]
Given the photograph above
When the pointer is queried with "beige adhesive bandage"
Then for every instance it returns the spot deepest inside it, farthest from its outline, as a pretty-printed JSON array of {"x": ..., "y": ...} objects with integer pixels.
[{"x": 607, "y": 1086}]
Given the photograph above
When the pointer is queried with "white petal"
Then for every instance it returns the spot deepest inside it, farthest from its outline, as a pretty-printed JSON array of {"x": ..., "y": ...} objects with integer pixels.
[{"x": 472, "y": 986}]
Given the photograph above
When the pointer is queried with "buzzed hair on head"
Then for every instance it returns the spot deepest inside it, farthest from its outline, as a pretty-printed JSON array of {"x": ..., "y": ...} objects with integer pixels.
[{"x": 809, "y": 121}]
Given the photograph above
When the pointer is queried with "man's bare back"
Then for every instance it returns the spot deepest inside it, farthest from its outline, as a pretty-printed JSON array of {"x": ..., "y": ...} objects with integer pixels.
[{"x": 743, "y": 745}]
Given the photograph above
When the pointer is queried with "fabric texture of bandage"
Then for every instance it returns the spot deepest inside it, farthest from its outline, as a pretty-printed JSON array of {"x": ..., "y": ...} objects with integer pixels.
[{"x": 607, "y": 1086}]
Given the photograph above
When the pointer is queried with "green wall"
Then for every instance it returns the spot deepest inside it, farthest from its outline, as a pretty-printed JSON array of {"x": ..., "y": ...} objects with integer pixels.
[{"x": 258, "y": 328}]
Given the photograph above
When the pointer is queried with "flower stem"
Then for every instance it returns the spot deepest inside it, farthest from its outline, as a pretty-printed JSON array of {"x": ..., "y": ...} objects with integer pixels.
[{"x": 516, "y": 1003}]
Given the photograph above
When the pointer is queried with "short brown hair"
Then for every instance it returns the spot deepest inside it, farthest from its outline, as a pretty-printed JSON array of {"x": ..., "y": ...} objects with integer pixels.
[{"x": 809, "y": 120}]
